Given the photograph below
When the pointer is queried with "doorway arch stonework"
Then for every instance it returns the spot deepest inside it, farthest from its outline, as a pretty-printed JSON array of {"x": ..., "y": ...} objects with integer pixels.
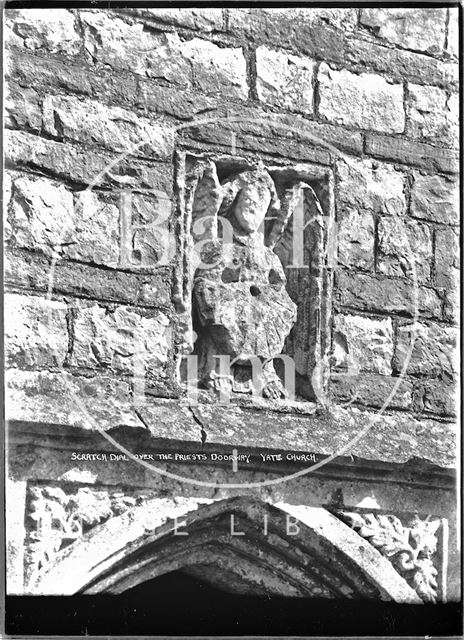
[{"x": 283, "y": 550}]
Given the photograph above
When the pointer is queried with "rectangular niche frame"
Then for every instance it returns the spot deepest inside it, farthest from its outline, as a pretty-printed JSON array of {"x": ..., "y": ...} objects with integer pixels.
[{"x": 310, "y": 286}]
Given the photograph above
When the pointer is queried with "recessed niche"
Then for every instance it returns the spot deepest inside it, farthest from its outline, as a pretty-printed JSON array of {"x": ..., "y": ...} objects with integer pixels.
[{"x": 255, "y": 274}]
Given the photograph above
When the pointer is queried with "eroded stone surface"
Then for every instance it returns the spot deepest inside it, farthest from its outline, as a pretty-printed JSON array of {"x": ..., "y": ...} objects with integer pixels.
[
  {"x": 363, "y": 344},
  {"x": 436, "y": 396},
  {"x": 384, "y": 294},
  {"x": 284, "y": 80},
  {"x": 355, "y": 234},
  {"x": 241, "y": 306},
  {"x": 430, "y": 349},
  {"x": 371, "y": 390},
  {"x": 433, "y": 115},
  {"x": 199, "y": 19},
  {"x": 45, "y": 216},
  {"x": 435, "y": 198},
  {"x": 22, "y": 107},
  {"x": 447, "y": 258},
  {"x": 412, "y": 152},
  {"x": 404, "y": 248},
  {"x": 95, "y": 233},
  {"x": 32, "y": 271},
  {"x": 372, "y": 185},
  {"x": 366, "y": 100},
  {"x": 422, "y": 29},
  {"x": 36, "y": 333},
  {"x": 453, "y": 32},
  {"x": 122, "y": 340},
  {"x": 91, "y": 122},
  {"x": 41, "y": 214},
  {"x": 83, "y": 166},
  {"x": 122, "y": 45},
  {"x": 60, "y": 398},
  {"x": 247, "y": 19},
  {"x": 52, "y": 30}
]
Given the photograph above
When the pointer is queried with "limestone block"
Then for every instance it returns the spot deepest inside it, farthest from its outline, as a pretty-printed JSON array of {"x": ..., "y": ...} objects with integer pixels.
[
  {"x": 206, "y": 20},
  {"x": 374, "y": 292},
  {"x": 356, "y": 238},
  {"x": 90, "y": 122},
  {"x": 372, "y": 185},
  {"x": 36, "y": 333},
  {"x": 121, "y": 340},
  {"x": 430, "y": 347},
  {"x": 453, "y": 32},
  {"x": 284, "y": 80},
  {"x": 22, "y": 107},
  {"x": 421, "y": 29},
  {"x": 123, "y": 45},
  {"x": 412, "y": 152},
  {"x": 363, "y": 344},
  {"x": 371, "y": 390},
  {"x": 404, "y": 248},
  {"x": 447, "y": 258},
  {"x": 95, "y": 232},
  {"x": 435, "y": 198},
  {"x": 41, "y": 214},
  {"x": 44, "y": 216},
  {"x": 84, "y": 165},
  {"x": 51, "y": 30},
  {"x": 366, "y": 100},
  {"x": 433, "y": 115},
  {"x": 61, "y": 398},
  {"x": 436, "y": 396}
]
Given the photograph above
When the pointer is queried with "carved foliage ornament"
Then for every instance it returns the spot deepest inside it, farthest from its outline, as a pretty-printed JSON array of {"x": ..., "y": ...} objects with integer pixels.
[
  {"x": 411, "y": 549},
  {"x": 57, "y": 518}
]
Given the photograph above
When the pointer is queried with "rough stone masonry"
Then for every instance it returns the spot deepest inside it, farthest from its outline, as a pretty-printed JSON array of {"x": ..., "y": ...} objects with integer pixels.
[{"x": 369, "y": 95}]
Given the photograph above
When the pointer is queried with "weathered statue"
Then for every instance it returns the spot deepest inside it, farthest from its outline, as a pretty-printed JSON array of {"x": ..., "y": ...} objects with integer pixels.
[{"x": 241, "y": 306}]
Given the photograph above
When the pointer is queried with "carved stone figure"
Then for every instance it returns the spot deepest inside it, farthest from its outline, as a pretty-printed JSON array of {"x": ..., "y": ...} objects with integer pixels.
[{"x": 241, "y": 306}]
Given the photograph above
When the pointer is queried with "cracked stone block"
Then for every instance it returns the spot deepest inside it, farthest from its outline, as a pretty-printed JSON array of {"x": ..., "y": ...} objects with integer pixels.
[
  {"x": 435, "y": 198},
  {"x": 420, "y": 29},
  {"x": 433, "y": 115},
  {"x": 404, "y": 248},
  {"x": 50, "y": 30},
  {"x": 363, "y": 344},
  {"x": 368, "y": 184},
  {"x": 356, "y": 238},
  {"x": 36, "y": 333},
  {"x": 284, "y": 80},
  {"x": 126, "y": 45},
  {"x": 122, "y": 340},
  {"x": 90, "y": 122},
  {"x": 366, "y": 100},
  {"x": 98, "y": 402},
  {"x": 430, "y": 348}
]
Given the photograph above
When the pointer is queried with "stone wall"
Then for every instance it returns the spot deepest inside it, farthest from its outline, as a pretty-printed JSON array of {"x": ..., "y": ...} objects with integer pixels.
[{"x": 371, "y": 94}]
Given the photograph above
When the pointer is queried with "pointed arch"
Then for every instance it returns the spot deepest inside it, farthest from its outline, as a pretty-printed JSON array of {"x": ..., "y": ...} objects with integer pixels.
[{"x": 241, "y": 544}]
